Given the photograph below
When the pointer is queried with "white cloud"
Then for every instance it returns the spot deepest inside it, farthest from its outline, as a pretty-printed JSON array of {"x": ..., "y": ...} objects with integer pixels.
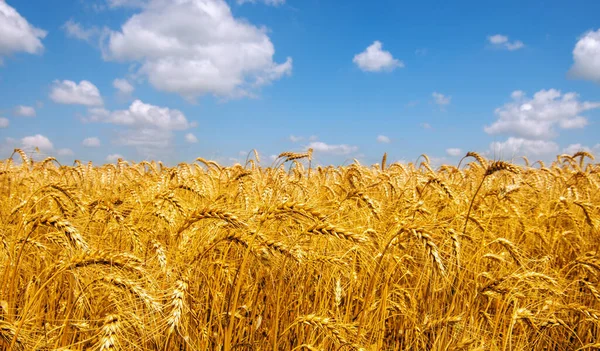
[
  {"x": 425, "y": 125},
  {"x": 313, "y": 138},
  {"x": 341, "y": 149},
  {"x": 65, "y": 152},
  {"x": 501, "y": 41},
  {"x": 497, "y": 39},
  {"x": 113, "y": 157},
  {"x": 374, "y": 59},
  {"x": 573, "y": 148},
  {"x": 382, "y": 139},
  {"x": 127, "y": 3},
  {"x": 267, "y": 2},
  {"x": 4, "y": 122},
  {"x": 142, "y": 115},
  {"x": 191, "y": 138},
  {"x": 39, "y": 141},
  {"x": 296, "y": 139},
  {"x": 538, "y": 117},
  {"x": 16, "y": 34},
  {"x": 441, "y": 99},
  {"x": 196, "y": 47},
  {"x": 123, "y": 86},
  {"x": 520, "y": 147},
  {"x": 91, "y": 142},
  {"x": 149, "y": 142},
  {"x": 586, "y": 57},
  {"x": 24, "y": 111},
  {"x": 76, "y": 30},
  {"x": 71, "y": 93},
  {"x": 454, "y": 152}
]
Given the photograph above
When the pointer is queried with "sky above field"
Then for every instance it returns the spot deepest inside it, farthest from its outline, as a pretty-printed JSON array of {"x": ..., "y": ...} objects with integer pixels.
[{"x": 179, "y": 79}]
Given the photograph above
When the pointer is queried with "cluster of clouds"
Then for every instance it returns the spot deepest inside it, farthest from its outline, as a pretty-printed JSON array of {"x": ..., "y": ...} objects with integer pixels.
[
  {"x": 197, "y": 47},
  {"x": 533, "y": 123}
]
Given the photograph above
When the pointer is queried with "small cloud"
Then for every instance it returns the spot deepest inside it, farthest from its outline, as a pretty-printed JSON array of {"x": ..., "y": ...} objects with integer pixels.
[
  {"x": 91, "y": 142},
  {"x": 412, "y": 103},
  {"x": 295, "y": 139},
  {"x": 71, "y": 93},
  {"x": 24, "y": 111},
  {"x": 4, "y": 122},
  {"x": 523, "y": 147},
  {"x": 266, "y": 2},
  {"x": 586, "y": 57},
  {"x": 123, "y": 86},
  {"x": 454, "y": 152},
  {"x": 191, "y": 138},
  {"x": 113, "y": 157},
  {"x": 77, "y": 31},
  {"x": 573, "y": 148},
  {"x": 142, "y": 115},
  {"x": 425, "y": 125},
  {"x": 65, "y": 152},
  {"x": 501, "y": 42},
  {"x": 374, "y": 59},
  {"x": 382, "y": 139},
  {"x": 37, "y": 141},
  {"x": 341, "y": 149},
  {"x": 313, "y": 138},
  {"x": 126, "y": 3},
  {"x": 441, "y": 99}
]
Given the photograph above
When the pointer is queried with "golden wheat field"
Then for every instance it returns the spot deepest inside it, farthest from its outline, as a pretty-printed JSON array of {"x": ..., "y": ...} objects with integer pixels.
[{"x": 485, "y": 255}]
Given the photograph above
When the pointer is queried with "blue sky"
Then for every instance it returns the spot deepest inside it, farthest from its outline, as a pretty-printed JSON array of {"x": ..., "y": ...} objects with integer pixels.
[{"x": 176, "y": 80}]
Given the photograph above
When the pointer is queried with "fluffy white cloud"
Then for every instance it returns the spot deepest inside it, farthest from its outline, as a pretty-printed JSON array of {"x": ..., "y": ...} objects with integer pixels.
[
  {"x": 375, "y": 59},
  {"x": 538, "y": 117},
  {"x": 441, "y": 99},
  {"x": 191, "y": 138},
  {"x": 113, "y": 157},
  {"x": 196, "y": 47},
  {"x": 39, "y": 141},
  {"x": 454, "y": 151},
  {"x": 148, "y": 128},
  {"x": 65, "y": 152},
  {"x": 586, "y": 57},
  {"x": 520, "y": 146},
  {"x": 71, "y": 93},
  {"x": 16, "y": 34},
  {"x": 4, "y": 122},
  {"x": 91, "y": 142},
  {"x": 502, "y": 42},
  {"x": 123, "y": 86},
  {"x": 382, "y": 139},
  {"x": 296, "y": 139},
  {"x": 24, "y": 111},
  {"x": 142, "y": 115},
  {"x": 267, "y": 2},
  {"x": 341, "y": 149}
]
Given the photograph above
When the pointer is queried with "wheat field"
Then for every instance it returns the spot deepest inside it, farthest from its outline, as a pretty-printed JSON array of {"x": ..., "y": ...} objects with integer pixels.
[{"x": 484, "y": 255}]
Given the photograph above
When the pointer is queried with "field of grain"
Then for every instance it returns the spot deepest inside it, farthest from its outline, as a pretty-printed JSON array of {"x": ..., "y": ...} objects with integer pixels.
[{"x": 139, "y": 256}]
